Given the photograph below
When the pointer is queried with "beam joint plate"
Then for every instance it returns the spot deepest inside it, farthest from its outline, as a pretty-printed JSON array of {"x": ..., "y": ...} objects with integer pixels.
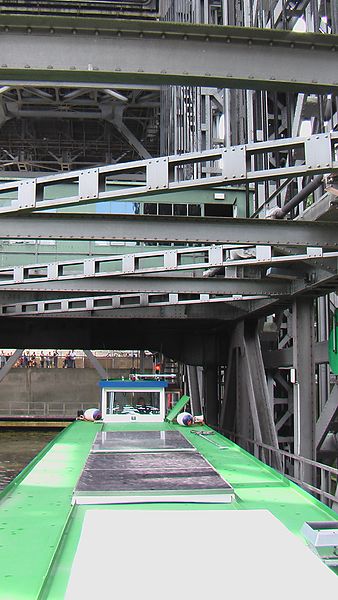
[
  {"x": 234, "y": 163},
  {"x": 88, "y": 184},
  {"x": 157, "y": 174},
  {"x": 128, "y": 263},
  {"x": 318, "y": 152},
  {"x": 26, "y": 194},
  {"x": 215, "y": 255}
]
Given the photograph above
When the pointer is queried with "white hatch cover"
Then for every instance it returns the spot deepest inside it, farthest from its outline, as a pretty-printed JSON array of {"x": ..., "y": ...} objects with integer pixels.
[{"x": 128, "y": 554}]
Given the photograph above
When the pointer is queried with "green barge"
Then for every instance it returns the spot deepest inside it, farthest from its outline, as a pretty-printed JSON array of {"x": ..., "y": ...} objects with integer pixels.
[{"x": 135, "y": 505}]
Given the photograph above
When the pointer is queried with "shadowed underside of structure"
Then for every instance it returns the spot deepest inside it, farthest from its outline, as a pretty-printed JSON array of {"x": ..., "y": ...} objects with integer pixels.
[{"x": 191, "y": 341}]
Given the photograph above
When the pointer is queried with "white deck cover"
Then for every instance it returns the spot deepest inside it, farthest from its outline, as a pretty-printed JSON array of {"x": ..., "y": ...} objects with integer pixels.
[{"x": 162, "y": 554}]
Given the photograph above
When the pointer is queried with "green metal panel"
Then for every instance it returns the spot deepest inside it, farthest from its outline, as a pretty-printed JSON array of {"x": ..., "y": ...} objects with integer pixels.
[
  {"x": 333, "y": 345},
  {"x": 40, "y": 530},
  {"x": 180, "y": 404}
]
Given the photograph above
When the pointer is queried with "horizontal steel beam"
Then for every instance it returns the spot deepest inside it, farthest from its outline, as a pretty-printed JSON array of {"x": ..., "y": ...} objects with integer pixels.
[
  {"x": 222, "y": 166},
  {"x": 274, "y": 359},
  {"x": 157, "y": 262},
  {"x": 98, "y": 304},
  {"x": 39, "y": 49},
  {"x": 164, "y": 285},
  {"x": 327, "y": 417},
  {"x": 183, "y": 230}
]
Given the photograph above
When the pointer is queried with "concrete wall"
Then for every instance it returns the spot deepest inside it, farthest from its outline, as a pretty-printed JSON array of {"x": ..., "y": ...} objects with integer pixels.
[{"x": 51, "y": 392}]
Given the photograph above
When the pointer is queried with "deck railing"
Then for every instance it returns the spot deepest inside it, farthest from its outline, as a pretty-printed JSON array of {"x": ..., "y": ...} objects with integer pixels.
[
  {"x": 318, "y": 479},
  {"x": 39, "y": 409}
]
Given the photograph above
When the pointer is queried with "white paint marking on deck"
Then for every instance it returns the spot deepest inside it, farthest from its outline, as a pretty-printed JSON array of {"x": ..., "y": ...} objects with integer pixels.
[{"x": 193, "y": 554}]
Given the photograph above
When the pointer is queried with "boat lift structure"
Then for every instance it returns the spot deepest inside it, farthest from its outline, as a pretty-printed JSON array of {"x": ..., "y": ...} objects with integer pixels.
[{"x": 211, "y": 94}]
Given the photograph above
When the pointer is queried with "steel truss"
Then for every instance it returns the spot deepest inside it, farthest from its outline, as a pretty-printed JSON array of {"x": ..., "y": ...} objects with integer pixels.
[
  {"x": 163, "y": 261},
  {"x": 238, "y": 164},
  {"x": 96, "y": 304},
  {"x": 278, "y": 62}
]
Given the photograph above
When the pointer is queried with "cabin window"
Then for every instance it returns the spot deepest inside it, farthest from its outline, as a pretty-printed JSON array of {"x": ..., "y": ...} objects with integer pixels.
[{"x": 133, "y": 402}]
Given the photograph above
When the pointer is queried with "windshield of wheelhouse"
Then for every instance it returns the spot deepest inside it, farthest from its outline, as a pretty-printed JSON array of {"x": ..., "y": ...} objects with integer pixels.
[{"x": 137, "y": 402}]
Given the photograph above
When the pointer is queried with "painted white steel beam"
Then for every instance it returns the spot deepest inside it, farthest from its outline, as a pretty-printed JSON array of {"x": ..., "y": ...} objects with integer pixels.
[
  {"x": 222, "y": 166},
  {"x": 162, "y": 261}
]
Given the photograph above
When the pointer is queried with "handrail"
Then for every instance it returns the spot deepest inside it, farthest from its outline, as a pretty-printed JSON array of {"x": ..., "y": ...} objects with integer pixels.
[{"x": 296, "y": 464}]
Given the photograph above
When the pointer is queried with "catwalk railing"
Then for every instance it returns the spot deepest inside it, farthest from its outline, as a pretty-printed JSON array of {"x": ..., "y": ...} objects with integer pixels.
[{"x": 316, "y": 478}]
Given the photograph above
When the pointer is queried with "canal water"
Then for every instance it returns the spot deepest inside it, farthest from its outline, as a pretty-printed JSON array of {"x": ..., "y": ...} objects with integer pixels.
[{"x": 18, "y": 447}]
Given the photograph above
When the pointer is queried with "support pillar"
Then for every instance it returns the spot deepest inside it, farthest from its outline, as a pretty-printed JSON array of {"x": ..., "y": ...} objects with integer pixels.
[
  {"x": 304, "y": 386},
  {"x": 211, "y": 408},
  {"x": 230, "y": 400},
  {"x": 194, "y": 390}
]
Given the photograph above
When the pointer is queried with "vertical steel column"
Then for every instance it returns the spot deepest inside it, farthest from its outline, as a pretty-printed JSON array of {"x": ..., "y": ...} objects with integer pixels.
[
  {"x": 194, "y": 390},
  {"x": 244, "y": 424},
  {"x": 304, "y": 386},
  {"x": 323, "y": 334},
  {"x": 228, "y": 410},
  {"x": 230, "y": 401},
  {"x": 211, "y": 408}
]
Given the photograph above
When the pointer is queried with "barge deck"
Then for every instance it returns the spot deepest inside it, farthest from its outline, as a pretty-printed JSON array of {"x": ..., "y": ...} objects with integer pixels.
[{"x": 41, "y": 525}]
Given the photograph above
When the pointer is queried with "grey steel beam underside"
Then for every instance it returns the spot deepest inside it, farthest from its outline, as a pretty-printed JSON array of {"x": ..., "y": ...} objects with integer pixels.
[
  {"x": 144, "y": 228},
  {"x": 315, "y": 282},
  {"x": 158, "y": 262},
  {"x": 36, "y": 49},
  {"x": 49, "y": 303},
  {"x": 119, "y": 303},
  {"x": 164, "y": 285},
  {"x": 234, "y": 165},
  {"x": 283, "y": 358}
]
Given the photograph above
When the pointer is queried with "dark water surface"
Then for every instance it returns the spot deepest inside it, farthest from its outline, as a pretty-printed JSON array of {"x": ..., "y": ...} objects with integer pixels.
[{"x": 18, "y": 447}]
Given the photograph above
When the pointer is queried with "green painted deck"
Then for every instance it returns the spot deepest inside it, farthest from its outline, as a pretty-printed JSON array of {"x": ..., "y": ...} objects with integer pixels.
[{"x": 40, "y": 530}]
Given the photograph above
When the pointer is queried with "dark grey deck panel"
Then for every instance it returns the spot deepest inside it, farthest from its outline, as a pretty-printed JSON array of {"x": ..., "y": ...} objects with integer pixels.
[
  {"x": 130, "y": 472},
  {"x": 107, "y": 441}
]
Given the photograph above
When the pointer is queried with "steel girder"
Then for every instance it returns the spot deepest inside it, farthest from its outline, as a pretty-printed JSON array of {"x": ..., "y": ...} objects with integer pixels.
[
  {"x": 169, "y": 288},
  {"x": 149, "y": 306},
  {"x": 36, "y": 49},
  {"x": 174, "y": 229},
  {"x": 164, "y": 262},
  {"x": 304, "y": 388},
  {"x": 237, "y": 164},
  {"x": 274, "y": 359},
  {"x": 164, "y": 285}
]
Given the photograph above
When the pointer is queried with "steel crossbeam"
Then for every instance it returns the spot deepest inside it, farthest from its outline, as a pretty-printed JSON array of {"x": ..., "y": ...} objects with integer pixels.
[
  {"x": 36, "y": 50},
  {"x": 156, "y": 262},
  {"x": 145, "y": 284},
  {"x": 237, "y": 164},
  {"x": 118, "y": 301},
  {"x": 194, "y": 230}
]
